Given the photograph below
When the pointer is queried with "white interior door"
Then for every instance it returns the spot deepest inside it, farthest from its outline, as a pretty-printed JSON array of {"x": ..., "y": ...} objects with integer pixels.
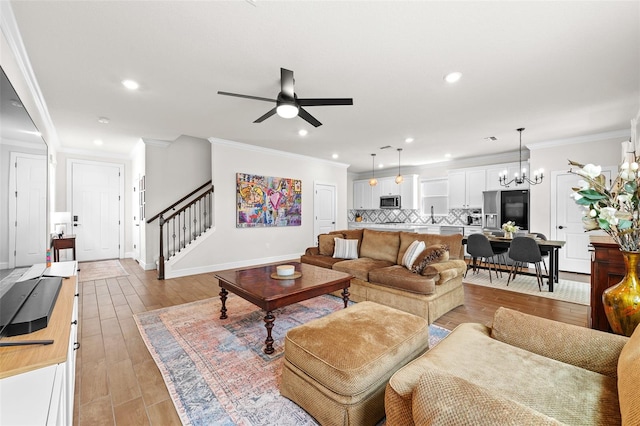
[
  {"x": 95, "y": 210},
  {"x": 574, "y": 256},
  {"x": 29, "y": 213},
  {"x": 325, "y": 213}
]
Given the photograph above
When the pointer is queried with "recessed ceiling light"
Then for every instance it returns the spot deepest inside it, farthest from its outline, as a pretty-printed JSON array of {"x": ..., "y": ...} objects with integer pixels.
[
  {"x": 447, "y": 155},
  {"x": 303, "y": 132},
  {"x": 103, "y": 120},
  {"x": 334, "y": 156},
  {"x": 130, "y": 84},
  {"x": 380, "y": 165},
  {"x": 408, "y": 140},
  {"x": 453, "y": 77},
  {"x": 97, "y": 142}
]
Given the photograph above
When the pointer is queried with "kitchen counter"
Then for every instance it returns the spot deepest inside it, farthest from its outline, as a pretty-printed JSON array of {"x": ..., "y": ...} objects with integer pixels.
[{"x": 420, "y": 228}]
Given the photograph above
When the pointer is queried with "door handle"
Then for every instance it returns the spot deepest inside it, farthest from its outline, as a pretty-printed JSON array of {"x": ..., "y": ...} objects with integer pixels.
[{"x": 560, "y": 227}]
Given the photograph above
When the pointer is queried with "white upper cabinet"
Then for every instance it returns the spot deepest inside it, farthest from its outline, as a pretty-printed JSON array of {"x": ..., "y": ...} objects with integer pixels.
[
  {"x": 466, "y": 187},
  {"x": 368, "y": 197},
  {"x": 409, "y": 192},
  {"x": 362, "y": 195}
]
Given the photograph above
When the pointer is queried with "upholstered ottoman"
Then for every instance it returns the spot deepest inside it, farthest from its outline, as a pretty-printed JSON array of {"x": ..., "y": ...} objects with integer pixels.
[{"x": 337, "y": 367}]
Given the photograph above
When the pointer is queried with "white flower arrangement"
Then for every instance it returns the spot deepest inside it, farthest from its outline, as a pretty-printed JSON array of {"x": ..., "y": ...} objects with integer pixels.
[
  {"x": 510, "y": 226},
  {"x": 614, "y": 209}
]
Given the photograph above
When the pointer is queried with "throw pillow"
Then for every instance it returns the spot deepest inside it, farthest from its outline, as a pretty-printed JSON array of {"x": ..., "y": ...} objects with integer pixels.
[
  {"x": 326, "y": 243},
  {"x": 412, "y": 253},
  {"x": 345, "y": 249},
  {"x": 431, "y": 254}
]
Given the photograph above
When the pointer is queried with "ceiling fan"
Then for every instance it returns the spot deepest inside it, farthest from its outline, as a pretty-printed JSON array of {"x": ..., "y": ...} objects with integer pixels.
[{"x": 288, "y": 105}]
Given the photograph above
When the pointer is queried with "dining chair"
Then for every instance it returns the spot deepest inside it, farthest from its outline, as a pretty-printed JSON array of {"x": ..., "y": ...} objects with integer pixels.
[
  {"x": 544, "y": 255},
  {"x": 479, "y": 247},
  {"x": 525, "y": 250}
]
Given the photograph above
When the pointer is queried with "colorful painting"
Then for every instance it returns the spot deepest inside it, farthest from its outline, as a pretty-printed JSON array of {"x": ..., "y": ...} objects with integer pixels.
[{"x": 268, "y": 201}]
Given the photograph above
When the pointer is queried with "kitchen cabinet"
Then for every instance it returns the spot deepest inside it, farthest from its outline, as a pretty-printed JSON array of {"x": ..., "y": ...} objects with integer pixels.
[
  {"x": 435, "y": 193},
  {"x": 362, "y": 195},
  {"x": 494, "y": 171},
  {"x": 367, "y": 197},
  {"x": 466, "y": 187},
  {"x": 409, "y": 191}
]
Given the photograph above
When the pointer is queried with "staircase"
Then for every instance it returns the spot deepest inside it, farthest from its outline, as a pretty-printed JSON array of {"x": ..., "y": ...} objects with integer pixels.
[{"x": 178, "y": 228}]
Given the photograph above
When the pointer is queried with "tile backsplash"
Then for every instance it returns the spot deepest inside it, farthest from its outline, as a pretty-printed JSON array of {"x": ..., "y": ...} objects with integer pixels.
[{"x": 455, "y": 216}]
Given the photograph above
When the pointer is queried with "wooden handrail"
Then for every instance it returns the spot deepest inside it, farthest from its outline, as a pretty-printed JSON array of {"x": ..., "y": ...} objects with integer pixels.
[
  {"x": 204, "y": 194},
  {"x": 179, "y": 201}
]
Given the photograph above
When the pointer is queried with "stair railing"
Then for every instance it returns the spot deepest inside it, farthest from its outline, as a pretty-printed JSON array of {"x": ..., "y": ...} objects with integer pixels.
[{"x": 184, "y": 225}]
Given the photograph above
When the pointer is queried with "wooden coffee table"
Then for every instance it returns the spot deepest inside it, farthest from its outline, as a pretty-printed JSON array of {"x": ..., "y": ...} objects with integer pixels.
[{"x": 256, "y": 286}]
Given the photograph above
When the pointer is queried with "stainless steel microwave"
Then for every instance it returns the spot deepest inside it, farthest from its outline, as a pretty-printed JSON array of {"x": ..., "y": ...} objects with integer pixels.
[{"x": 390, "y": 202}]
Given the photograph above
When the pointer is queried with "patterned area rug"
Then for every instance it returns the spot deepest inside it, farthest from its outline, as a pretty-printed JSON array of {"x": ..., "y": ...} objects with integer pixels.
[
  {"x": 216, "y": 371},
  {"x": 100, "y": 270},
  {"x": 566, "y": 290}
]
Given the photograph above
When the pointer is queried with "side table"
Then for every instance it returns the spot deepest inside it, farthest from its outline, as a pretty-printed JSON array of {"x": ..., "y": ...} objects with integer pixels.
[{"x": 65, "y": 242}]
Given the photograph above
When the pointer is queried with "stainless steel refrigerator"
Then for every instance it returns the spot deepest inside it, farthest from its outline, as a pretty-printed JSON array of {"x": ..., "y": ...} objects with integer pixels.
[{"x": 499, "y": 207}]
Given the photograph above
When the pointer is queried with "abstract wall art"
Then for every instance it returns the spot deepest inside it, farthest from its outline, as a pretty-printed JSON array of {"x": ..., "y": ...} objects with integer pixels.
[{"x": 264, "y": 201}]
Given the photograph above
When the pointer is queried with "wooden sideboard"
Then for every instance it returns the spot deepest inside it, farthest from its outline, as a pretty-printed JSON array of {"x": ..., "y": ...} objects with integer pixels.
[
  {"x": 37, "y": 382},
  {"x": 607, "y": 269}
]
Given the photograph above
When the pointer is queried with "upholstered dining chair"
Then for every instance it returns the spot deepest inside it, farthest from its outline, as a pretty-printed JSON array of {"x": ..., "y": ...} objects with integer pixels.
[
  {"x": 479, "y": 247},
  {"x": 525, "y": 250}
]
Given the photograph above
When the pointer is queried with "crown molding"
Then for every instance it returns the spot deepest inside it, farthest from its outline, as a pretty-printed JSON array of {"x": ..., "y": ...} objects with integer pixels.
[
  {"x": 262, "y": 150},
  {"x": 622, "y": 133},
  {"x": 22, "y": 144},
  {"x": 156, "y": 142},
  {"x": 11, "y": 33},
  {"x": 95, "y": 154}
]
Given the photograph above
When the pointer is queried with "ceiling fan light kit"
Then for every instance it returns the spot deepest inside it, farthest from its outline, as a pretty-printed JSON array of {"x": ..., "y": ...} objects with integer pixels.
[
  {"x": 287, "y": 103},
  {"x": 538, "y": 175}
]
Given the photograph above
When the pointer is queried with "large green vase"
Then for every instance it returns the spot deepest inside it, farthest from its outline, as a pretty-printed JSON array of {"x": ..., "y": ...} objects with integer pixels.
[{"x": 622, "y": 301}]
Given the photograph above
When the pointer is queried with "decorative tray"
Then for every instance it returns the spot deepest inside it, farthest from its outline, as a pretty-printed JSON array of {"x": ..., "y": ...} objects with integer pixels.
[{"x": 295, "y": 275}]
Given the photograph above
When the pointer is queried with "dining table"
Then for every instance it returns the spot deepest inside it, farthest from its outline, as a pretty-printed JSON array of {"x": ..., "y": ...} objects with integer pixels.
[{"x": 550, "y": 247}]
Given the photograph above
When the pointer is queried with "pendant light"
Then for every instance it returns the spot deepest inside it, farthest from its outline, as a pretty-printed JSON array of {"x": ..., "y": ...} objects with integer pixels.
[
  {"x": 399, "y": 178},
  {"x": 373, "y": 181},
  {"x": 538, "y": 175}
]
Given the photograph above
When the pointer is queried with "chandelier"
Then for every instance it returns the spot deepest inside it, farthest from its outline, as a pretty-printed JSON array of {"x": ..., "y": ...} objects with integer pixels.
[{"x": 521, "y": 179}]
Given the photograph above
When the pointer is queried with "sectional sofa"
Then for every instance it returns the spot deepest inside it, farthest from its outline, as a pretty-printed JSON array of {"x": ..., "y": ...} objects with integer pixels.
[{"x": 380, "y": 276}]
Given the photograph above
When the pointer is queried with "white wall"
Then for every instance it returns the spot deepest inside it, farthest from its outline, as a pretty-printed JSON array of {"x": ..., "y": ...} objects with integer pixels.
[
  {"x": 604, "y": 152},
  {"x": 228, "y": 246},
  {"x": 172, "y": 171}
]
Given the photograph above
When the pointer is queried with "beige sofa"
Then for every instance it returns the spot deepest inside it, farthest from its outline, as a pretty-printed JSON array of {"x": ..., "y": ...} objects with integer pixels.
[
  {"x": 524, "y": 370},
  {"x": 380, "y": 277}
]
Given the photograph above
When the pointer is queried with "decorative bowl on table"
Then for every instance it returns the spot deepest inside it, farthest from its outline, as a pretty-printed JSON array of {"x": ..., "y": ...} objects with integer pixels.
[{"x": 285, "y": 270}]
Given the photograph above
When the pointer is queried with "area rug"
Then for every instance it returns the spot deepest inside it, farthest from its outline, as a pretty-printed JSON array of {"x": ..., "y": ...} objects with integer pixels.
[
  {"x": 100, "y": 270},
  {"x": 216, "y": 371},
  {"x": 565, "y": 290}
]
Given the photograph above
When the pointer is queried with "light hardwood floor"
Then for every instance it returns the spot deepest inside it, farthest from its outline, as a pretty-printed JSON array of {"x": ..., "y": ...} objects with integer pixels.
[{"x": 117, "y": 381}]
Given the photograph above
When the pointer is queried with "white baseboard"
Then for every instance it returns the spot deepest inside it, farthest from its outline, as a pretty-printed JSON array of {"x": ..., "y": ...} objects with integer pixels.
[{"x": 170, "y": 273}]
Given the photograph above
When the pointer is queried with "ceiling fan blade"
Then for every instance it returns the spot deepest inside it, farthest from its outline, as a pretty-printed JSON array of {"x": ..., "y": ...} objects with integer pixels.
[
  {"x": 326, "y": 101},
  {"x": 257, "y": 98},
  {"x": 286, "y": 82},
  {"x": 308, "y": 118},
  {"x": 267, "y": 115}
]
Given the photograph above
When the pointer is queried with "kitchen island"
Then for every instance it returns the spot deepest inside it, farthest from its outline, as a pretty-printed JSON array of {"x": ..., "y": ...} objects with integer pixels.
[{"x": 419, "y": 228}]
